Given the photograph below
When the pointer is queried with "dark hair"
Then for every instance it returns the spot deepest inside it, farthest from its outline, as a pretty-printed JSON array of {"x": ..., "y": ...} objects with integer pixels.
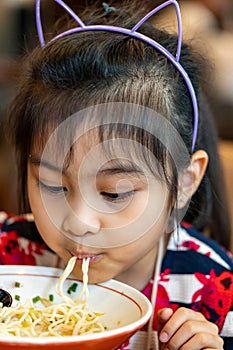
[{"x": 85, "y": 69}]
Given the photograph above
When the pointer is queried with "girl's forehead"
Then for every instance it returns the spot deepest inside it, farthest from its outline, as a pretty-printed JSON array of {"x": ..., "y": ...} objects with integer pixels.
[
  {"x": 89, "y": 154},
  {"x": 104, "y": 133}
]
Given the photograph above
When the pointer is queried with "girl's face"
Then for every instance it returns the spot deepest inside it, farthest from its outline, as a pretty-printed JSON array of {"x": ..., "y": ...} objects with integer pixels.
[{"x": 111, "y": 210}]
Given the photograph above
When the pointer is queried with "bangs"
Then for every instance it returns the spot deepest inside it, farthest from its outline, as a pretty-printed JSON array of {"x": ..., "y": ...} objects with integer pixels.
[{"x": 123, "y": 132}]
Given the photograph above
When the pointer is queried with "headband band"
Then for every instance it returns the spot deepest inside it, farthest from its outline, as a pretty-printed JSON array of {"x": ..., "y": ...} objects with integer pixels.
[{"x": 135, "y": 34}]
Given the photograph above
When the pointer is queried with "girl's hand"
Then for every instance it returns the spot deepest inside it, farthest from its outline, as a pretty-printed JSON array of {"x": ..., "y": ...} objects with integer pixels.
[{"x": 186, "y": 329}]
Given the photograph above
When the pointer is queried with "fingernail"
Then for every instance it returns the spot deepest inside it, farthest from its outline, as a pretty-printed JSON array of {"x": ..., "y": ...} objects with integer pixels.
[{"x": 163, "y": 337}]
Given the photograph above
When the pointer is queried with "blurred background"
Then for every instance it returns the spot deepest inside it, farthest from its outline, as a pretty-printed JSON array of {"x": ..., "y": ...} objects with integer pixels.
[{"x": 207, "y": 23}]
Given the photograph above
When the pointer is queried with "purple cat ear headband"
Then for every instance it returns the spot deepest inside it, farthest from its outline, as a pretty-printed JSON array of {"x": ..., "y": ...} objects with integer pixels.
[{"x": 135, "y": 34}]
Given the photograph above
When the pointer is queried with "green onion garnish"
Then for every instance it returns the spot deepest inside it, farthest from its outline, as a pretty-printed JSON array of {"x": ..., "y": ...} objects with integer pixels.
[
  {"x": 51, "y": 297},
  {"x": 36, "y": 299},
  {"x": 17, "y": 284},
  {"x": 17, "y": 297},
  {"x": 72, "y": 288}
]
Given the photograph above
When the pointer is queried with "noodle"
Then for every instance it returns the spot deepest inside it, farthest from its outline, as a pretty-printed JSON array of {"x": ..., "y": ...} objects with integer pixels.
[{"x": 72, "y": 317}]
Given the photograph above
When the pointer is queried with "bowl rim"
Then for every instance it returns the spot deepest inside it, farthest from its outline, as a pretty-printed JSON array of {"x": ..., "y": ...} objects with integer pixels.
[{"x": 111, "y": 284}]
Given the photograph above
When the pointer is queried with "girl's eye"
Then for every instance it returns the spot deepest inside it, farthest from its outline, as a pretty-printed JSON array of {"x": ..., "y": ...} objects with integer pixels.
[
  {"x": 52, "y": 189},
  {"x": 116, "y": 197}
]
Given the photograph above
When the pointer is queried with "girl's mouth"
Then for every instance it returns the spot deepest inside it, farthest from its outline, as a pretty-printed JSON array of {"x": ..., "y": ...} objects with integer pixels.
[{"x": 93, "y": 257}]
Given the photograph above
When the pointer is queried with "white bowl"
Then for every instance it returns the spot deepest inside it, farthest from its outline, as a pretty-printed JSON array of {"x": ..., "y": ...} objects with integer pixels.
[{"x": 125, "y": 310}]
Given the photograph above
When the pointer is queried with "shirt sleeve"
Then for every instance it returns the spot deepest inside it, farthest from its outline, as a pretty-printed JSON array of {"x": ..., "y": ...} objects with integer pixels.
[{"x": 21, "y": 244}]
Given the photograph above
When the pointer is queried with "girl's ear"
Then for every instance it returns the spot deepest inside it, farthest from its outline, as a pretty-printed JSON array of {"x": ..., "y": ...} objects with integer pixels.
[{"x": 190, "y": 178}]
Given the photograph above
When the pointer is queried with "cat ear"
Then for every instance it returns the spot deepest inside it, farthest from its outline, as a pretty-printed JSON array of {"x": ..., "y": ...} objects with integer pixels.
[
  {"x": 134, "y": 29},
  {"x": 65, "y": 7},
  {"x": 179, "y": 22}
]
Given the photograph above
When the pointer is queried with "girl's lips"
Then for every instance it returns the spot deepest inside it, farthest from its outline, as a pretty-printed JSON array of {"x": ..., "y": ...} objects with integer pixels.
[{"x": 93, "y": 257}]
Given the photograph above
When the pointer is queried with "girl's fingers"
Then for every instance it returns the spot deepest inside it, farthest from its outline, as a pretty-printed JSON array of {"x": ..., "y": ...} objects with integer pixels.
[
  {"x": 172, "y": 324},
  {"x": 200, "y": 341},
  {"x": 187, "y": 330},
  {"x": 194, "y": 335},
  {"x": 163, "y": 317}
]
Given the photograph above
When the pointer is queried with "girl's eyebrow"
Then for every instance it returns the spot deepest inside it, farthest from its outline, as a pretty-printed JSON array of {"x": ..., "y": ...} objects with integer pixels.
[
  {"x": 37, "y": 161},
  {"x": 121, "y": 168},
  {"x": 113, "y": 169}
]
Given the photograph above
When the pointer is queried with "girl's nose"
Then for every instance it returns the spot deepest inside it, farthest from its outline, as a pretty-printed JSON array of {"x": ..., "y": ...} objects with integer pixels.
[{"x": 81, "y": 220}]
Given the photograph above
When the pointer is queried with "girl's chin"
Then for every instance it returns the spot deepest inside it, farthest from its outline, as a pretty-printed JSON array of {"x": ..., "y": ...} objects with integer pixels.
[{"x": 93, "y": 276}]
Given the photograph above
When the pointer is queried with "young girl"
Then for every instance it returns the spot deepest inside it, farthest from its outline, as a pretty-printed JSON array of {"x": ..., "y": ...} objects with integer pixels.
[{"x": 116, "y": 164}]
